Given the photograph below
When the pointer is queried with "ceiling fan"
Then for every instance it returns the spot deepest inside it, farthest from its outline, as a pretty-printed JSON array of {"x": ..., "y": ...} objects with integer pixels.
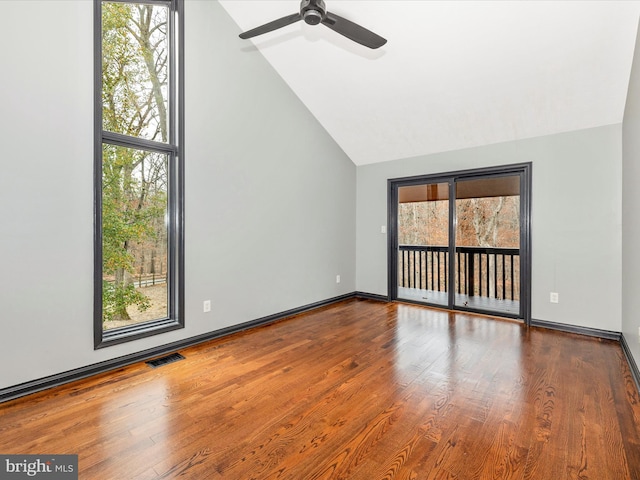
[{"x": 314, "y": 12}]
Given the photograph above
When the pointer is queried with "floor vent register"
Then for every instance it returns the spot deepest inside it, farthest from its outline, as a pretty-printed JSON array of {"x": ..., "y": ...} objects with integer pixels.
[{"x": 158, "y": 362}]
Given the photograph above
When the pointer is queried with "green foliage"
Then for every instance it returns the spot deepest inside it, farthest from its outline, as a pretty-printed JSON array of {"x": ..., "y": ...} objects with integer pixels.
[
  {"x": 116, "y": 299},
  {"x": 134, "y": 70},
  {"x": 134, "y": 203}
]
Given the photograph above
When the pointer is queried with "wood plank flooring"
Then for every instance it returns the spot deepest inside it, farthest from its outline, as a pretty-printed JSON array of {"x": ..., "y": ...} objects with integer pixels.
[{"x": 357, "y": 390}]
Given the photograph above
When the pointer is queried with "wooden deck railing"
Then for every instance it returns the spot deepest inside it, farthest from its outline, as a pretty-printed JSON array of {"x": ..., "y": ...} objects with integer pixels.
[{"x": 480, "y": 271}]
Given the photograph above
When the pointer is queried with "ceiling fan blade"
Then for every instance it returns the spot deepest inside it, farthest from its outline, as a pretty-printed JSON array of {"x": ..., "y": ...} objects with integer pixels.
[
  {"x": 271, "y": 26},
  {"x": 353, "y": 31}
]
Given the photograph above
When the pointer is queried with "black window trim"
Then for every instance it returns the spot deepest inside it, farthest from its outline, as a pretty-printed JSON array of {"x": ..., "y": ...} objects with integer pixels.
[{"x": 175, "y": 151}]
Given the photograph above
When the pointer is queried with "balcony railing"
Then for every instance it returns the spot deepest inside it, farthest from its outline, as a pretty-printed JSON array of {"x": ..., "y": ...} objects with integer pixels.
[{"x": 480, "y": 271}]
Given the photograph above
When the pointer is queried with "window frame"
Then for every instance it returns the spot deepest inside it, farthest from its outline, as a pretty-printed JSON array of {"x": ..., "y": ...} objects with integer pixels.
[{"x": 174, "y": 149}]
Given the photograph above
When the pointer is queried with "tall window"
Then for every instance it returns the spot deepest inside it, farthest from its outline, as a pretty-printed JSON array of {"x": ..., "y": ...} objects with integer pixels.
[{"x": 139, "y": 169}]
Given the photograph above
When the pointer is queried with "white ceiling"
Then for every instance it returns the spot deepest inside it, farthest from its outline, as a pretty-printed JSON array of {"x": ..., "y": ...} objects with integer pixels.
[{"x": 454, "y": 74}]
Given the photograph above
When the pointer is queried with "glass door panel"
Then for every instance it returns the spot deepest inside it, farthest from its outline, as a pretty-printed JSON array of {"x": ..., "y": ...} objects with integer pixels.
[
  {"x": 487, "y": 244},
  {"x": 423, "y": 243}
]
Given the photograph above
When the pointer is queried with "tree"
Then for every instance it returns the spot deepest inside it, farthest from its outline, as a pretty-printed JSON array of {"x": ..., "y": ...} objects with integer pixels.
[
  {"x": 134, "y": 181},
  {"x": 489, "y": 221}
]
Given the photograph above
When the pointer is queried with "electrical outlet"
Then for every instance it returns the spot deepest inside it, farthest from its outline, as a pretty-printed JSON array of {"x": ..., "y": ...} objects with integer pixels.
[
  {"x": 553, "y": 297},
  {"x": 337, "y": 278},
  {"x": 206, "y": 306},
  {"x": 383, "y": 229}
]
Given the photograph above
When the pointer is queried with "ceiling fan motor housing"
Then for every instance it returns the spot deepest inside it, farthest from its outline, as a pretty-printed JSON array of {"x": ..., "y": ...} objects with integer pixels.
[{"x": 312, "y": 11}]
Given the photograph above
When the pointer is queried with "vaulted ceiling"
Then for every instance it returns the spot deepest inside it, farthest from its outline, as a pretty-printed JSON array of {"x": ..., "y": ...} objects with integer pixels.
[{"x": 454, "y": 74}]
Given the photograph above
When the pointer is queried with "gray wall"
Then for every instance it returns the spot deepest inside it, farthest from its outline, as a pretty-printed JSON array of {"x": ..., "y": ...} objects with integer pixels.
[
  {"x": 576, "y": 219},
  {"x": 270, "y": 203},
  {"x": 631, "y": 211}
]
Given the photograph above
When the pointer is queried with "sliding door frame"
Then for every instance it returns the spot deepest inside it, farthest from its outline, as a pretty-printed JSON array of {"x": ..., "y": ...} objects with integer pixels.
[{"x": 523, "y": 170}]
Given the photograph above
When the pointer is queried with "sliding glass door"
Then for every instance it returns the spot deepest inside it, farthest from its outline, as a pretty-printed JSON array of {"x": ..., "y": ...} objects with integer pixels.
[
  {"x": 423, "y": 243},
  {"x": 487, "y": 259},
  {"x": 461, "y": 240}
]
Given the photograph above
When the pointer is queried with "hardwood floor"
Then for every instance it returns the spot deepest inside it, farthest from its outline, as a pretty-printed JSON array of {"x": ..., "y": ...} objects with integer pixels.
[{"x": 358, "y": 390}]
